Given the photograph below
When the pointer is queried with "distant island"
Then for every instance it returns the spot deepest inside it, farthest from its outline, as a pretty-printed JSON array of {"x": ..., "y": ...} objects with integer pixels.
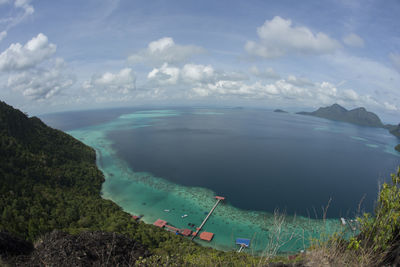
[
  {"x": 394, "y": 129},
  {"x": 359, "y": 116},
  {"x": 280, "y": 111}
]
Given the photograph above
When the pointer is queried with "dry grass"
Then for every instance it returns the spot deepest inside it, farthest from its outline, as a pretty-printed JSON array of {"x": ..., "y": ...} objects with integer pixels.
[{"x": 336, "y": 254}]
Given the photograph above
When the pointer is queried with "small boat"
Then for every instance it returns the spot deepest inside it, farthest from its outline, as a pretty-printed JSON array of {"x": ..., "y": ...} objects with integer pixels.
[
  {"x": 166, "y": 210},
  {"x": 343, "y": 221},
  {"x": 184, "y": 215}
]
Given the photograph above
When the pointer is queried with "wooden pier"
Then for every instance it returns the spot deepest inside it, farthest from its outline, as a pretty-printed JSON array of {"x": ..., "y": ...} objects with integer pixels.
[{"x": 208, "y": 216}]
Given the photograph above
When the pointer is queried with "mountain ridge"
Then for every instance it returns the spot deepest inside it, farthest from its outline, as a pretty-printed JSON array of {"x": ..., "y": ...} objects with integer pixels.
[{"x": 359, "y": 116}]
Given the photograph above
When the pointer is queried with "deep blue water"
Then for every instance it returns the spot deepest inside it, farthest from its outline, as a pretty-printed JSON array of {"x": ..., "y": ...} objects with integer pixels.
[{"x": 261, "y": 160}]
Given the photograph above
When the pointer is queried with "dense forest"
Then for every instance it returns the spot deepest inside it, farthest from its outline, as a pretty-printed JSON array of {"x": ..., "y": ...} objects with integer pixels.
[{"x": 49, "y": 180}]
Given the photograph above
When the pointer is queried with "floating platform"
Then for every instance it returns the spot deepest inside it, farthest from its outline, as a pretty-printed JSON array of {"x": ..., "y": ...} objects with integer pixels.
[{"x": 207, "y": 236}]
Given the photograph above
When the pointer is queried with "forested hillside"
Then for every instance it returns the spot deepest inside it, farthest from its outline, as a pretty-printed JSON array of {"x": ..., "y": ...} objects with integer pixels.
[{"x": 49, "y": 180}]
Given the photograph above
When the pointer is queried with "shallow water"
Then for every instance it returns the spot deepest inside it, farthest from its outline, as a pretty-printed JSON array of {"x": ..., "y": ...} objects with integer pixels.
[{"x": 141, "y": 192}]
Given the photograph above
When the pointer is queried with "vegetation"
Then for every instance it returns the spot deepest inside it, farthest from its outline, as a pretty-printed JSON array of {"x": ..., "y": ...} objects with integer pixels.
[
  {"x": 397, "y": 147},
  {"x": 381, "y": 231},
  {"x": 378, "y": 241},
  {"x": 49, "y": 180}
]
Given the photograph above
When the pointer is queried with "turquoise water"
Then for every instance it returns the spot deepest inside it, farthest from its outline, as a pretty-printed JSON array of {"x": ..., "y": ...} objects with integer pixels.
[{"x": 143, "y": 193}]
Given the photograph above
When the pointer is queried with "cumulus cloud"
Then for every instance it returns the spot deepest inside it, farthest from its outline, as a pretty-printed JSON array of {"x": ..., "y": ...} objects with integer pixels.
[
  {"x": 191, "y": 75},
  {"x": 278, "y": 37},
  {"x": 122, "y": 82},
  {"x": 41, "y": 84},
  {"x": 257, "y": 90},
  {"x": 165, "y": 50},
  {"x": 350, "y": 94},
  {"x": 165, "y": 75},
  {"x": 320, "y": 93},
  {"x": 32, "y": 69},
  {"x": 19, "y": 57},
  {"x": 353, "y": 40},
  {"x": 197, "y": 73},
  {"x": 203, "y": 81},
  {"x": 268, "y": 73}
]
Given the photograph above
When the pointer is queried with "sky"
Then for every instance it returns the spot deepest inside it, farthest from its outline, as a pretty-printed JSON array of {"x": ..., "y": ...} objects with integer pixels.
[{"x": 294, "y": 55}]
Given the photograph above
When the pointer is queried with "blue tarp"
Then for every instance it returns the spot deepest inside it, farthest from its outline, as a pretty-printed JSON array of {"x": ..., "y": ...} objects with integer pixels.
[{"x": 243, "y": 242}]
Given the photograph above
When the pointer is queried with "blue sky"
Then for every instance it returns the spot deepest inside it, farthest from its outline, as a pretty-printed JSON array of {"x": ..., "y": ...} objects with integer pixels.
[{"x": 296, "y": 55}]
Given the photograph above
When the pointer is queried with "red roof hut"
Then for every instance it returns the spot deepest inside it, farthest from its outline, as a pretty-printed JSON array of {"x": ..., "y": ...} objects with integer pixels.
[
  {"x": 207, "y": 236},
  {"x": 160, "y": 223}
]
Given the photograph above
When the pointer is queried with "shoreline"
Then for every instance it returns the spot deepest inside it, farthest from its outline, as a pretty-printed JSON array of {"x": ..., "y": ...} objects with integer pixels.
[{"x": 141, "y": 193}]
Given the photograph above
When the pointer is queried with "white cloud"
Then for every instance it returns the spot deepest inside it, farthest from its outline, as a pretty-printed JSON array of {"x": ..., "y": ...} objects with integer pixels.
[
  {"x": 197, "y": 73},
  {"x": 165, "y": 50},
  {"x": 3, "y": 35},
  {"x": 25, "y": 4},
  {"x": 395, "y": 59},
  {"x": 32, "y": 70},
  {"x": 322, "y": 93},
  {"x": 224, "y": 88},
  {"x": 350, "y": 95},
  {"x": 18, "y": 57},
  {"x": 122, "y": 82},
  {"x": 240, "y": 88},
  {"x": 41, "y": 84},
  {"x": 191, "y": 75},
  {"x": 278, "y": 37},
  {"x": 268, "y": 73},
  {"x": 354, "y": 40},
  {"x": 164, "y": 75}
]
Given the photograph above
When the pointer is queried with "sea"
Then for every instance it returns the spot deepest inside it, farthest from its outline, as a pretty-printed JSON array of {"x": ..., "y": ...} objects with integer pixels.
[{"x": 286, "y": 178}]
